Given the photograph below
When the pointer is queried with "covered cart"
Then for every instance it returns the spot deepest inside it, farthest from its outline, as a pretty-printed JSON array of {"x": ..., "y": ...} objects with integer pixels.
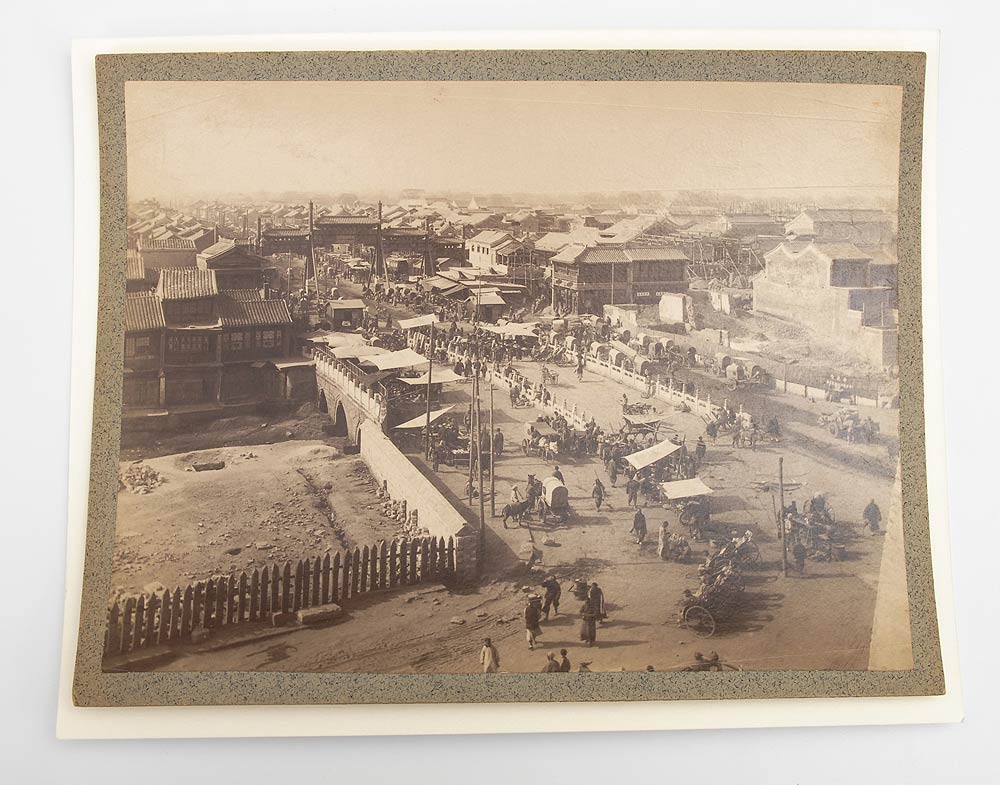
[
  {"x": 691, "y": 498},
  {"x": 555, "y": 500}
]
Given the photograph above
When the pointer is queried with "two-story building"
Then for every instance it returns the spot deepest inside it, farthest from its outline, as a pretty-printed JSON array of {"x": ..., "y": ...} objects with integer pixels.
[{"x": 585, "y": 278}]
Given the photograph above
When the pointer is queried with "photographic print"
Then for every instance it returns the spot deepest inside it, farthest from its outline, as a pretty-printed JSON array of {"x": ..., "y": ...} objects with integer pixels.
[{"x": 507, "y": 377}]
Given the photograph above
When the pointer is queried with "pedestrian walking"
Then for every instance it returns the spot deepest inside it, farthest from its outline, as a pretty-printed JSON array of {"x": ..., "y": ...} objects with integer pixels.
[
  {"x": 598, "y": 493},
  {"x": 799, "y": 555},
  {"x": 595, "y": 596},
  {"x": 661, "y": 542},
  {"x": 588, "y": 623},
  {"x": 498, "y": 442},
  {"x": 489, "y": 657},
  {"x": 613, "y": 471},
  {"x": 699, "y": 451},
  {"x": 639, "y": 527},
  {"x": 553, "y": 591},
  {"x": 532, "y": 617},
  {"x": 558, "y": 475},
  {"x": 564, "y": 663},
  {"x": 872, "y": 517},
  {"x": 632, "y": 492},
  {"x": 551, "y": 665}
]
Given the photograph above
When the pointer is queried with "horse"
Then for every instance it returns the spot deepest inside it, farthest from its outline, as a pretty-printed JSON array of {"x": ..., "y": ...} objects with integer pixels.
[{"x": 516, "y": 512}]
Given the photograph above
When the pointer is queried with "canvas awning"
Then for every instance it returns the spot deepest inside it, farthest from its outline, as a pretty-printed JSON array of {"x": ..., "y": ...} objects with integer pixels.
[
  {"x": 404, "y": 358},
  {"x": 353, "y": 351},
  {"x": 628, "y": 351},
  {"x": 291, "y": 362},
  {"x": 440, "y": 376},
  {"x": 417, "y": 321},
  {"x": 346, "y": 305},
  {"x": 490, "y": 298},
  {"x": 649, "y": 456},
  {"x": 643, "y": 419},
  {"x": 332, "y": 339},
  {"x": 683, "y": 489},
  {"x": 421, "y": 421}
]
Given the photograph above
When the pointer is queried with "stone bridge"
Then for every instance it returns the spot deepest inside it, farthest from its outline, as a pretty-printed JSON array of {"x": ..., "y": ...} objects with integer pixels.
[{"x": 342, "y": 395}]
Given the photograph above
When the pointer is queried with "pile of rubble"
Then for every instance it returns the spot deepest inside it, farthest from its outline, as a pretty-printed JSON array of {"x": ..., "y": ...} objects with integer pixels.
[
  {"x": 139, "y": 478},
  {"x": 393, "y": 510}
]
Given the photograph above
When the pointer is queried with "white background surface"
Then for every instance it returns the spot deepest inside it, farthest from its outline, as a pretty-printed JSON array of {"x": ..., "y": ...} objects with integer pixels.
[{"x": 35, "y": 317}]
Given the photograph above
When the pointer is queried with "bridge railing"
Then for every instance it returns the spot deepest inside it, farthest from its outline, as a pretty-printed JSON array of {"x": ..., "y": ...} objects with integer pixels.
[{"x": 348, "y": 378}]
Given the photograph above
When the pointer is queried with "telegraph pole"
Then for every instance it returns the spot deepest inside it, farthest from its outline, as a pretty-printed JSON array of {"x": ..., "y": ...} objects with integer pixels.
[
  {"x": 493, "y": 484},
  {"x": 430, "y": 370},
  {"x": 479, "y": 462},
  {"x": 781, "y": 516}
]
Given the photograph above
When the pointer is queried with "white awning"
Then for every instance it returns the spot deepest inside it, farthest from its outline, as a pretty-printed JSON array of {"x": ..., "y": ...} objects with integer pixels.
[
  {"x": 404, "y": 358},
  {"x": 649, "y": 456},
  {"x": 352, "y": 351},
  {"x": 421, "y": 421},
  {"x": 683, "y": 489},
  {"x": 440, "y": 376},
  {"x": 417, "y": 321}
]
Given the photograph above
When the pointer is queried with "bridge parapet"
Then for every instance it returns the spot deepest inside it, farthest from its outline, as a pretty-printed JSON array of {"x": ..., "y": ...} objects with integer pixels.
[{"x": 348, "y": 380}]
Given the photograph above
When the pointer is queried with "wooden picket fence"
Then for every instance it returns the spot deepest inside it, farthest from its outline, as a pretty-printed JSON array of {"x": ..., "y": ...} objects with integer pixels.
[{"x": 170, "y": 617}]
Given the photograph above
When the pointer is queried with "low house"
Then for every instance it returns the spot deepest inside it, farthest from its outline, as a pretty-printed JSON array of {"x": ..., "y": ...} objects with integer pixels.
[{"x": 345, "y": 315}]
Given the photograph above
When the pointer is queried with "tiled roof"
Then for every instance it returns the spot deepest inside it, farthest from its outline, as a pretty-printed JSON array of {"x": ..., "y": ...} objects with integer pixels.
[
  {"x": 346, "y": 219},
  {"x": 236, "y": 313},
  {"x": 602, "y": 256},
  {"x": 490, "y": 237},
  {"x": 168, "y": 244},
  {"x": 135, "y": 270},
  {"x": 143, "y": 312},
  {"x": 656, "y": 254},
  {"x": 840, "y": 250},
  {"x": 242, "y": 295},
  {"x": 187, "y": 283},
  {"x": 285, "y": 233}
]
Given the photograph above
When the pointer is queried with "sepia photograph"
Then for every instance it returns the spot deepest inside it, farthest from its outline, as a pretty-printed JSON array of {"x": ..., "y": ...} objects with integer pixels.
[{"x": 495, "y": 377}]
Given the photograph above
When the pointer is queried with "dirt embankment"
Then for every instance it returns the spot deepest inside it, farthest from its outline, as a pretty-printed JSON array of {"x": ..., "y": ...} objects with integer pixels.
[{"x": 267, "y": 504}]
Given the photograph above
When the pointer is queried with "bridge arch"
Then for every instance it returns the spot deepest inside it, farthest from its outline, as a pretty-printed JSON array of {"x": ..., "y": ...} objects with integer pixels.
[
  {"x": 340, "y": 420},
  {"x": 321, "y": 403}
]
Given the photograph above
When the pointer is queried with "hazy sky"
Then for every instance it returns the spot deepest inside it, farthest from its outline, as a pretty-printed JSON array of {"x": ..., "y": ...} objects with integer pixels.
[{"x": 203, "y": 139}]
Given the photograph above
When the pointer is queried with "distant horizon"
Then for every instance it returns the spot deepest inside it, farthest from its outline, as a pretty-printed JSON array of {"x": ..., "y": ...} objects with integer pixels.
[{"x": 750, "y": 141}]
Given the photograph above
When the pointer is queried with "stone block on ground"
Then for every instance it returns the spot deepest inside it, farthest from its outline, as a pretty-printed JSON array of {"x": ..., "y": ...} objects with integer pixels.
[
  {"x": 319, "y": 614},
  {"x": 281, "y": 618}
]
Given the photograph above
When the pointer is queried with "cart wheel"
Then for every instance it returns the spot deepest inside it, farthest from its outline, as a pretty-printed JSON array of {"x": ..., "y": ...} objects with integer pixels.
[
  {"x": 699, "y": 621},
  {"x": 733, "y": 385},
  {"x": 834, "y": 430}
]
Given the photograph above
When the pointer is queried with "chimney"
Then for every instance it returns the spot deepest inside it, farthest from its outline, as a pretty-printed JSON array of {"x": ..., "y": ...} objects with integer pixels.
[{"x": 266, "y": 290}]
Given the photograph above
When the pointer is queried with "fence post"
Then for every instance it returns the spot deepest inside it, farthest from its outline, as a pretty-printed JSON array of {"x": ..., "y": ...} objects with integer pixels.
[
  {"x": 127, "y": 625},
  {"x": 451, "y": 556},
  {"x": 275, "y": 589},
  {"x": 140, "y": 619},
  {"x": 424, "y": 559},
  {"x": 163, "y": 628},
  {"x": 383, "y": 553},
  {"x": 345, "y": 586},
  {"x": 231, "y": 607},
  {"x": 393, "y": 576},
  {"x": 221, "y": 590},
  {"x": 403, "y": 552},
  {"x": 265, "y": 592},
  {"x": 325, "y": 580},
  {"x": 187, "y": 610},
  {"x": 413, "y": 561},
  {"x": 363, "y": 577},
  {"x": 241, "y": 605},
  {"x": 314, "y": 599},
  {"x": 297, "y": 593},
  {"x": 198, "y": 613},
  {"x": 373, "y": 568},
  {"x": 113, "y": 641},
  {"x": 286, "y": 587},
  {"x": 335, "y": 593},
  {"x": 355, "y": 578},
  {"x": 254, "y": 595},
  {"x": 433, "y": 550}
]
